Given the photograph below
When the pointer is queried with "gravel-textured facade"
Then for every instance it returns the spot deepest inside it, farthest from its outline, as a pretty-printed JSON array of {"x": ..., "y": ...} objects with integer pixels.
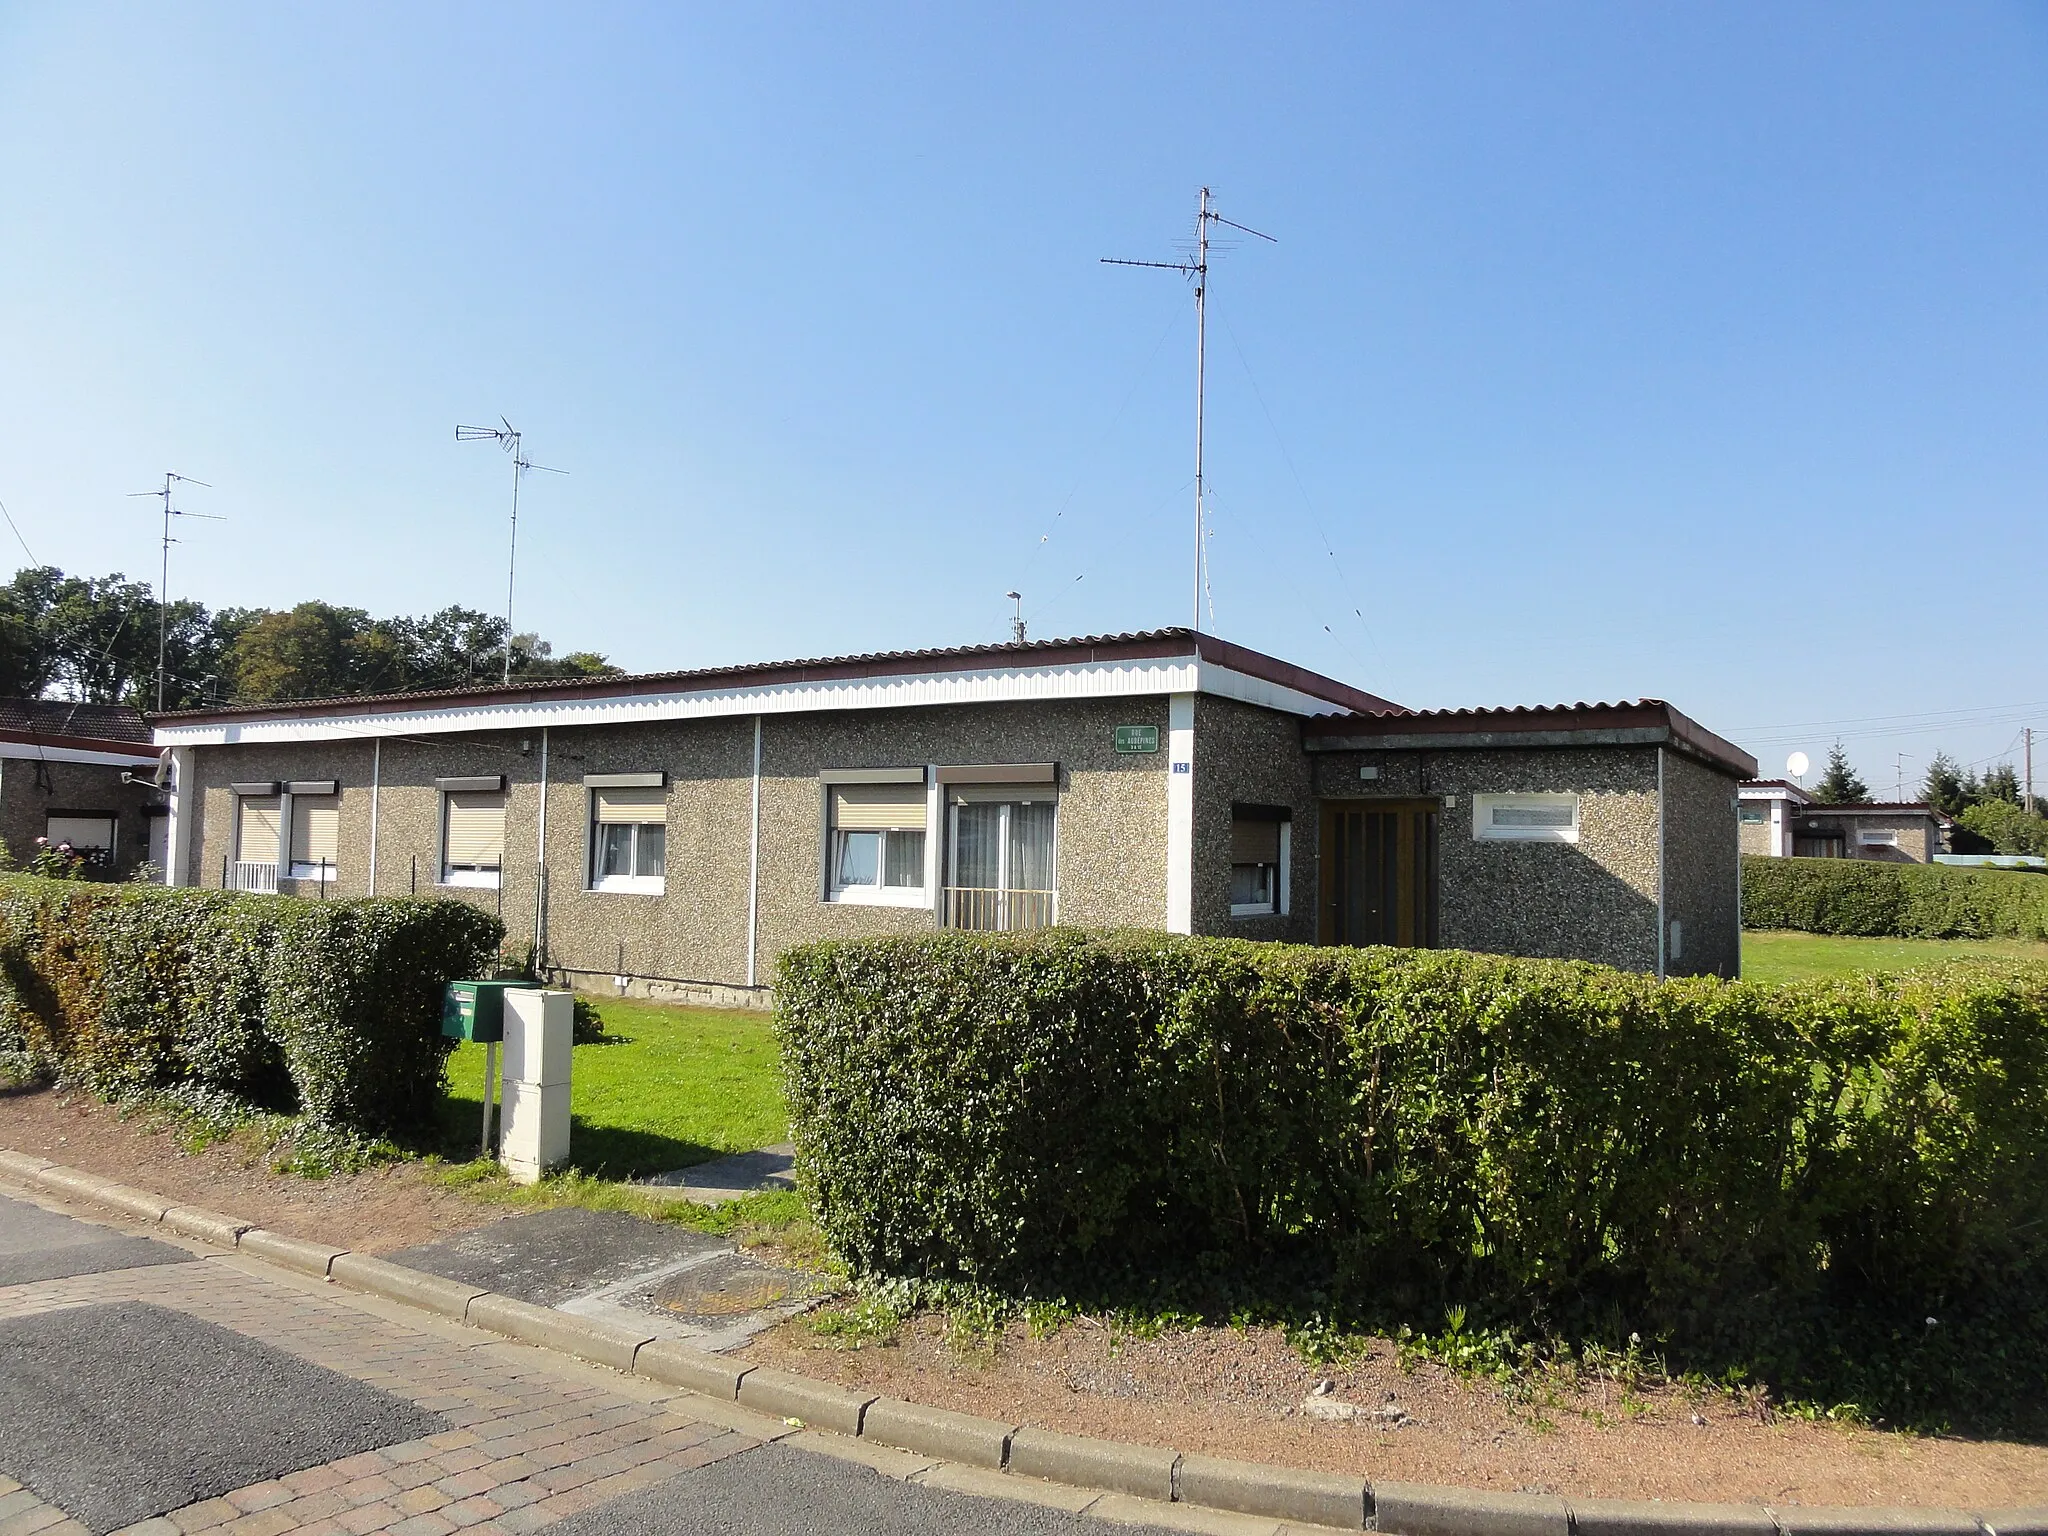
[
  {"x": 35, "y": 789},
  {"x": 1162, "y": 752}
]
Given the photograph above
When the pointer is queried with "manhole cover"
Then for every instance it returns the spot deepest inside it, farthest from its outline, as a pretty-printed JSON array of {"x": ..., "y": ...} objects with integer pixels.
[{"x": 725, "y": 1288}]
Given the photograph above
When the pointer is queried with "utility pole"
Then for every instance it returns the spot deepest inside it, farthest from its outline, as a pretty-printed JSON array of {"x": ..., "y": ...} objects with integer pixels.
[
  {"x": 1197, "y": 269},
  {"x": 2029, "y": 795},
  {"x": 163, "y": 586}
]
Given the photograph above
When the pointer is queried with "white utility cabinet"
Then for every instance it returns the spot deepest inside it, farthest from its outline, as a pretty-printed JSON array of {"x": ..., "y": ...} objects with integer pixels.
[{"x": 540, "y": 1028}]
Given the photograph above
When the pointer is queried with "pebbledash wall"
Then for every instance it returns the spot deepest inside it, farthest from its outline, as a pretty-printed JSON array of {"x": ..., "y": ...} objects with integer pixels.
[{"x": 1143, "y": 838}]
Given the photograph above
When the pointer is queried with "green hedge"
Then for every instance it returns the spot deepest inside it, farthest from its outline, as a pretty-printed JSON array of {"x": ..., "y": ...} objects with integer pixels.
[
  {"x": 1766, "y": 1176},
  {"x": 327, "y": 1009},
  {"x": 1865, "y": 899}
]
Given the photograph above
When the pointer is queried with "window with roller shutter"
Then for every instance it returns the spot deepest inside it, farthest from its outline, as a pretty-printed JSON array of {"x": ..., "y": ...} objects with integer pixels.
[
  {"x": 877, "y": 843},
  {"x": 316, "y": 836},
  {"x": 629, "y": 838},
  {"x": 472, "y": 837},
  {"x": 1258, "y": 840}
]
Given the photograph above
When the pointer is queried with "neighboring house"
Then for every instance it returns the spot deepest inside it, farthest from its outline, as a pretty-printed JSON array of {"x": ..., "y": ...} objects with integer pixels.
[
  {"x": 671, "y": 833},
  {"x": 65, "y": 775},
  {"x": 1781, "y": 820}
]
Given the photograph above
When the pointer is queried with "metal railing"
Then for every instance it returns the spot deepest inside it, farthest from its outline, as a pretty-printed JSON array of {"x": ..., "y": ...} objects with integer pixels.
[
  {"x": 997, "y": 911},
  {"x": 247, "y": 875}
]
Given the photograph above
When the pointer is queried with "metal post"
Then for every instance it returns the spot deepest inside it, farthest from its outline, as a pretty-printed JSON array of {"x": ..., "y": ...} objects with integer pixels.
[
  {"x": 415, "y": 874},
  {"x": 1201, "y": 369},
  {"x": 223, "y": 871},
  {"x": 490, "y": 1072},
  {"x": 2030, "y": 770},
  {"x": 512, "y": 560},
  {"x": 323, "y": 878}
]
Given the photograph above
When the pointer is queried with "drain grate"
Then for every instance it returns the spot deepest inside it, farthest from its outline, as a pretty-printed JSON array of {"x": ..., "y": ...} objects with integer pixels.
[{"x": 716, "y": 1292}]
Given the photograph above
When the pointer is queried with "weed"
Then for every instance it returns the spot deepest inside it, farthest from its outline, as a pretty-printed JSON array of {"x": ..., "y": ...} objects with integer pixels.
[{"x": 860, "y": 1324}]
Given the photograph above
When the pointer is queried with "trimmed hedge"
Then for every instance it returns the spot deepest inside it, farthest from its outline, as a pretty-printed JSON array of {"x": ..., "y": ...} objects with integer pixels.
[
  {"x": 326, "y": 1009},
  {"x": 1770, "y": 1177},
  {"x": 1862, "y": 898}
]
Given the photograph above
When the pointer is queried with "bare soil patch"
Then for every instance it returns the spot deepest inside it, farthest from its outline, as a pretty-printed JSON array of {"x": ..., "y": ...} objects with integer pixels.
[
  {"x": 375, "y": 1211},
  {"x": 1223, "y": 1393}
]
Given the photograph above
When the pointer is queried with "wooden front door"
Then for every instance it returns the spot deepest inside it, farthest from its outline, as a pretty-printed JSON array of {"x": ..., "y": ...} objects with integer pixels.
[{"x": 1378, "y": 864}]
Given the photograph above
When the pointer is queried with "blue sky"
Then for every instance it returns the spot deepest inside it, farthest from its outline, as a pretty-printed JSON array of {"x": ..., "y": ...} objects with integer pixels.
[{"x": 1692, "y": 351}]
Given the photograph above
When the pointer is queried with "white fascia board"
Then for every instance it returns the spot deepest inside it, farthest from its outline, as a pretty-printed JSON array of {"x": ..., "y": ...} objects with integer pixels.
[
  {"x": 1085, "y": 680},
  {"x": 29, "y": 751},
  {"x": 1771, "y": 792}
]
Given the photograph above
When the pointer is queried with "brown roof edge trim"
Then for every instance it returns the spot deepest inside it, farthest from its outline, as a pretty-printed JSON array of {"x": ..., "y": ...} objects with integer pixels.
[
  {"x": 141, "y": 751},
  {"x": 1648, "y": 723},
  {"x": 1273, "y": 670}
]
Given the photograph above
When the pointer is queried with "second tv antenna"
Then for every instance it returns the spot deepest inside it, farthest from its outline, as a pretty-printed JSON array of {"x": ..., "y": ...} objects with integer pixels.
[
  {"x": 1196, "y": 267},
  {"x": 507, "y": 438}
]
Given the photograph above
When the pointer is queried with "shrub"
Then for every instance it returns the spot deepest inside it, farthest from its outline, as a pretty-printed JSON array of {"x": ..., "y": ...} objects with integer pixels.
[
  {"x": 1788, "y": 1180},
  {"x": 327, "y": 1009},
  {"x": 1864, "y": 899}
]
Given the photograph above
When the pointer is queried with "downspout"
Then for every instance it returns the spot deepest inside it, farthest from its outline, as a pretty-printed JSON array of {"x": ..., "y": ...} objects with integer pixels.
[
  {"x": 1738, "y": 888},
  {"x": 540, "y": 865},
  {"x": 1662, "y": 929},
  {"x": 754, "y": 867},
  {"x": 376, "y": 783}
]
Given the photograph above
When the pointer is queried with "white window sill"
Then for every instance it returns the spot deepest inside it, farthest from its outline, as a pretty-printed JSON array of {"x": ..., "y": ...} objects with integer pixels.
[
  {"x": 1262, "y": 909},
  {"x": 1527, "y": 835},
  {"x": 632, "y": 885},
  {"x": 882, "y": 896},
  {"x": 470, "y": 879},
  {"x": 328, "y": 872}
]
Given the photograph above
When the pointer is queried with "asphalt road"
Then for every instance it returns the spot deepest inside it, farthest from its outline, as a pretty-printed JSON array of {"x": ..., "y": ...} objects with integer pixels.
[{"x": 115, "y": 1409}]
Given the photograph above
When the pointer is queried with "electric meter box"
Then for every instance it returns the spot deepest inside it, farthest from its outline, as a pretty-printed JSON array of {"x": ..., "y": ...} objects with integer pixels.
[{"x": 475, "y": 1010}]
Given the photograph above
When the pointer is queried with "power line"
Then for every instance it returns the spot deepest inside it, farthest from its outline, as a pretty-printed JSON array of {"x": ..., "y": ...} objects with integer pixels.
[{"x": 32, "y": 560}]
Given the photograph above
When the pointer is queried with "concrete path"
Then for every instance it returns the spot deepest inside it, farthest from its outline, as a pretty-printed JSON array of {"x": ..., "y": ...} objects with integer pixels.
[
  {"x": 728, "y": 1178},
  {"x": 215, "y": 1393}
]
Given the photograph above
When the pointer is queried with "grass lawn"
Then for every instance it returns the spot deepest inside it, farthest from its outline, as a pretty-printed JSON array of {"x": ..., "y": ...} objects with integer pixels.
[
  {"x": 666, "y": 1088},
  {"x": 1782, "y": 955}
]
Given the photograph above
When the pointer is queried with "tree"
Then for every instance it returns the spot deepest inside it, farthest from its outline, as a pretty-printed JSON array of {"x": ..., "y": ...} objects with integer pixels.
[
  {"x": 1945, "y": 788},
  {"x": 2007, "y": 827},
  {"x": 2001, "y": 783},
  {"x": 1839, "y": 785}
]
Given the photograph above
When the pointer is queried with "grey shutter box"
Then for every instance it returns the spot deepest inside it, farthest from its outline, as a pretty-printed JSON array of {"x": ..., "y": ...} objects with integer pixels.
[
  {"x": 267, "y": 787},
  {"x": 314, "y": 786},
  {"x": 625, "y": 781},
  {"x": 476, "y": 784}
]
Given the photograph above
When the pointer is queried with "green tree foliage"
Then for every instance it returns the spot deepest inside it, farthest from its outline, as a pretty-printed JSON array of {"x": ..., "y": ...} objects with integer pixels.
[
  {"x": 1945, "y": 787},
  {"x": 95, "y": 638},
  {"x": 1840, "y": 785},
  {"x": 2008, "y": 828}
]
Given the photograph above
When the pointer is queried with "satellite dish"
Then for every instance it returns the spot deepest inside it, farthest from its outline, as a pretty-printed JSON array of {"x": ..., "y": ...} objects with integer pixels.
[{"x": 1796, "y": 765}]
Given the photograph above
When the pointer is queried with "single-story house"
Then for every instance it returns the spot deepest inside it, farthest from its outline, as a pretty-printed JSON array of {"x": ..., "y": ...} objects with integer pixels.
[
  {"x": 1780, "y": 820},
  {"x": 668, "y": 834},
  {"x": 80, "y": 774}
]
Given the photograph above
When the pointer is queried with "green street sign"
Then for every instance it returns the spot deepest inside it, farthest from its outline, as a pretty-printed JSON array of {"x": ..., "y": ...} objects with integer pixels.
[{"x": 1137, "y": 738}]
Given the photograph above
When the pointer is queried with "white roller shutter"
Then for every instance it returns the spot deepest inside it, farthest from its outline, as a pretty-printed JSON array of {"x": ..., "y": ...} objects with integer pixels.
[
  {"x": 256, "y": 829},
  {"x": 316, "y": 829},
  {"x": 878, "y": 807},
  {"x": 476, "y": 829},
  {"x": 629, "y": 807}
]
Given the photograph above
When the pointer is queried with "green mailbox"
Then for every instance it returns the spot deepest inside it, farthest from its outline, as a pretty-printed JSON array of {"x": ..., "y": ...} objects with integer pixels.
[{"x": 475, "y": 1010}]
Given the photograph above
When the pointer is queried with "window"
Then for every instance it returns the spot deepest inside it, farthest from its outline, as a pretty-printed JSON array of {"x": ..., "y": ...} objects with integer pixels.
[
  {"x": 472, "y": 837},
  {"x": 1754, "y": 814},
  {"x": 1531, "y": 818},
  {"x": 1258, "y": 862},
  {"x": 316, "y": 836},
  {"x": 81, "y": 831},
  {"x": 1003, "y": 847},
  {"x": 877, "y": 844},
  {"x": 629, "y": 839},
  {"x": 1879, "y": 839},
  {"x": 256, "y": 828}
]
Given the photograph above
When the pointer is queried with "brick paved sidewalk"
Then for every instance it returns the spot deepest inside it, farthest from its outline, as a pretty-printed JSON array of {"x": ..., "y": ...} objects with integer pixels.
[{"x": 534, "y": 1437}]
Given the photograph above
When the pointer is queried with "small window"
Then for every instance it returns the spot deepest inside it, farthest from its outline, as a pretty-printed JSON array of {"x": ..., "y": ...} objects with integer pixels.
[
  {"x": 1535, "y": 818},
  {"x": 1257, "y": 838},
  {"x": 629, "y": 840},
  {"x": 316, "y": 836},
  {"x": 1753, "y": 814},
  {"x": 1882, "y": 839},
  {"x": 472, "y": 837},
  {"x": 89, "y": 837},
  {"x": 878, "y": 844}
]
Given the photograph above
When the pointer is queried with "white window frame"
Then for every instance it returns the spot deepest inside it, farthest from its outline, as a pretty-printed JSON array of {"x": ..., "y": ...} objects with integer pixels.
[
  {"x": 629, "y": 885},
  {"x": 1484, "y": 830},
  {"x": 467, "y": 879},
  {"x": 1005, "y": 796},
  {"x": 1880, "y": 837},
  {"x": 917, "y": 897},
  {"x": 1283, "y": 880}
]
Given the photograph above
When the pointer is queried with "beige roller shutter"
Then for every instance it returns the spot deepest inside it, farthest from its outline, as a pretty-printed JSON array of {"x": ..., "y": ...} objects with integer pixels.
[
  {"x": 1255, "y": 842},
  {"x": 630, "y": 807},
  {"x": 316, "y": 829},
  {"x": 878, "y": 807},
  {"x": 476, "y": 828},
  {"x": 256, "y": 830}
]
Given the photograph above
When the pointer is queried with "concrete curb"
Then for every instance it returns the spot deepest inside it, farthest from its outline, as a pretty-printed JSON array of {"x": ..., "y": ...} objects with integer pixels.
[{"x": 983, "y": 1456}]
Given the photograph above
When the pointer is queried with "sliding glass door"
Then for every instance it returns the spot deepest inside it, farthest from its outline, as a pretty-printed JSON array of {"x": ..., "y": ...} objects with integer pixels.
[{"x": 1001, "y": 871}]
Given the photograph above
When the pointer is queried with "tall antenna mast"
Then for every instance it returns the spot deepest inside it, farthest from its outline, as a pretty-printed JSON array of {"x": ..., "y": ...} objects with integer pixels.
[
  {"x": 507, "y": 438},
  {"x": 1196, "y": 267},
  {"x": 163, "y": 586}
]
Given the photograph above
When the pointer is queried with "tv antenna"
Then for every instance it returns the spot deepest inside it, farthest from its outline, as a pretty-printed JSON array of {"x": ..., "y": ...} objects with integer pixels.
[
  {"x": 163, "y": 596},
  {"x": 507, "y": 438},
  {"x": 1196, "y": 267}
]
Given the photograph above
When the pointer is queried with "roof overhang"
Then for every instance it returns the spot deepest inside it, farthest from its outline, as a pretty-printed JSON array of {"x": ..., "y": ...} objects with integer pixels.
[
  {"x": 1650, "y": 723},
  {"x": 76, "y": 749},
  {"x": 347, "y": 719}
]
